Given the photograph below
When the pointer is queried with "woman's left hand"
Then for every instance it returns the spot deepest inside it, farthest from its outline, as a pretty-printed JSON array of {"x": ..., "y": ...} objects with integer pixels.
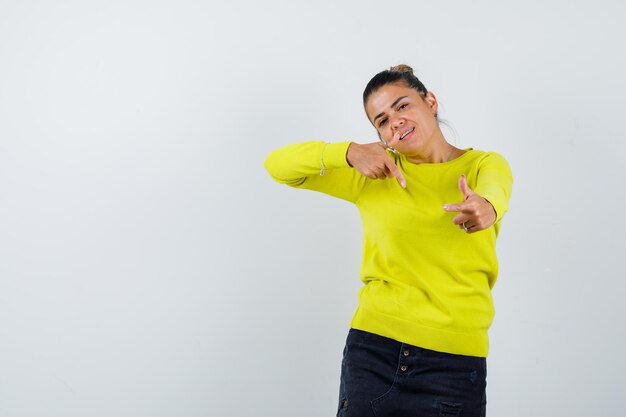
[{"x": 475, "y": 213}]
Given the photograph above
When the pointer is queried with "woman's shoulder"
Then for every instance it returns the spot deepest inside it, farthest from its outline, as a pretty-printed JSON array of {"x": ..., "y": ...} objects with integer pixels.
[
  {"x": 484, "y": 161},
  {"x": 482, "y": 155}
]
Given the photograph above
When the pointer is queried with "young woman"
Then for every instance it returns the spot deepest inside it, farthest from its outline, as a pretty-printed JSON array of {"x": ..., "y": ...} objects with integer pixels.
[{"x": 431, "y": 213}]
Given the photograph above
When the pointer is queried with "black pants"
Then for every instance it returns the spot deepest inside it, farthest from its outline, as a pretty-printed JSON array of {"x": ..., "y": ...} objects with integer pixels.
[{"x": 381, "y": 377}]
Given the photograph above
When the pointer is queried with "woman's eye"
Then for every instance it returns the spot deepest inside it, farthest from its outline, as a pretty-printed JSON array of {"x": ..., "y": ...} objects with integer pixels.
[
  {"x": 402, "y": 106},
  {"x": 382, "y": 122}
]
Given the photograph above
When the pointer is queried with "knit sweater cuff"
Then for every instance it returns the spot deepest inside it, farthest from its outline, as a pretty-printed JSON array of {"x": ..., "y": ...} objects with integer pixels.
[{"x": 498, "y": 206}]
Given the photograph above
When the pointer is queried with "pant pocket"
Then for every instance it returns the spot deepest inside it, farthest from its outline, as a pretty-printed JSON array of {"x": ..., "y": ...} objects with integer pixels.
[{"x": 380, "y": 404}]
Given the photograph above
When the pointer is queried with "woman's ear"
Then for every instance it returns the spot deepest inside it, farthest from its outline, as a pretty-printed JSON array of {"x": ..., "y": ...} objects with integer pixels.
[{"x": 431, "y": 100}]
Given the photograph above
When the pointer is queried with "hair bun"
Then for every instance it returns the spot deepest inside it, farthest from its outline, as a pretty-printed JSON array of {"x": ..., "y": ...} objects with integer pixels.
[{"x": 402, "y": 68}]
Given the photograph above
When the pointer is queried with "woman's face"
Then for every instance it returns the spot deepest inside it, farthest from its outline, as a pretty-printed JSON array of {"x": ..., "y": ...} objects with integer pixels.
[{"x": 396, "y": 109}]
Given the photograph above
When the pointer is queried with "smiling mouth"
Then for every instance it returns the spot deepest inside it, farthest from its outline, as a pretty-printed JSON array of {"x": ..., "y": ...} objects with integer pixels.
[{"x": 406, "y": 133}]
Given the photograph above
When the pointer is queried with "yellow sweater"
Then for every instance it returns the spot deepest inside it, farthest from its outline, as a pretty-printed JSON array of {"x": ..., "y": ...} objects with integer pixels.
[{"x": 427, "y": 282}]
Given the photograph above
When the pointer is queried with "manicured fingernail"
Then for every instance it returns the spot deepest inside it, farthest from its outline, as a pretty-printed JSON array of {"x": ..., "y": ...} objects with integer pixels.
[{"x": 445, "y": 207}]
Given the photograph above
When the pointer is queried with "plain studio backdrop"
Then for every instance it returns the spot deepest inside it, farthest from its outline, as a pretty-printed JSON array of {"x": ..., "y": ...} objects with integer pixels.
[{"x": 149, "y": 266}]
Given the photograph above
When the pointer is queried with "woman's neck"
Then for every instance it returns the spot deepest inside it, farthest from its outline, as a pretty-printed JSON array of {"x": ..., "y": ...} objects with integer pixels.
[{"x": 443, "y": 152}]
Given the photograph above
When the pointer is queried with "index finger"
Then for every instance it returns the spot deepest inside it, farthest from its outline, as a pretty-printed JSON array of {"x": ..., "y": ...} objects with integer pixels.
[
  {"x": 395, "y": 172},
  {"x": 454, "y": 207}
]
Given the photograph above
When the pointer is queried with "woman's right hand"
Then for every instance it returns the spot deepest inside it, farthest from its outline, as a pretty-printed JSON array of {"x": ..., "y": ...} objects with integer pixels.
[{"x": 373, "y": 161}]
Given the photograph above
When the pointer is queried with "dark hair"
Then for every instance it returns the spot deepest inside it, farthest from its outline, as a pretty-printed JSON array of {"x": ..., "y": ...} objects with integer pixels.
[{"x": 397, "y": 74}]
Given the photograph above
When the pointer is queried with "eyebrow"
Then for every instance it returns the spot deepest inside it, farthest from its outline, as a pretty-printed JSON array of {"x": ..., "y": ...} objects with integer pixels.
[{"x": 381, "y": 114}]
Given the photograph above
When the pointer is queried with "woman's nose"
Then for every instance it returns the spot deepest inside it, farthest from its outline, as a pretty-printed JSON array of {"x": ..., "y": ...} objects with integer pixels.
[{"x": 397, "y": 123}]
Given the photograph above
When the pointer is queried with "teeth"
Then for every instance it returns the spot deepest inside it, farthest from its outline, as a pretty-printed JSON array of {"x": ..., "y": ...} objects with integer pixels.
[{"x": 406, "y": 133}]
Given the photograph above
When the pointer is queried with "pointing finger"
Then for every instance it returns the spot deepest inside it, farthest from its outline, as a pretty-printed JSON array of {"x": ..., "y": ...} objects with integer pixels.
[
  {"x": 453, "y": 207},
  {"x": 395, "y": 172}
]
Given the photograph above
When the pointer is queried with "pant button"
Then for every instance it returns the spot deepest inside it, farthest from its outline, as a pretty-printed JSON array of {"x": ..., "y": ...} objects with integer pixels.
[
  {"x": 406, "y": 353},
  {"x": 403, "y": 368}
]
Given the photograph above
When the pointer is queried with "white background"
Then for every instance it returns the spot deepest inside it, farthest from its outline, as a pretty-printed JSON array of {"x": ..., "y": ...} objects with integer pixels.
[{"x": 149, "y": 266}]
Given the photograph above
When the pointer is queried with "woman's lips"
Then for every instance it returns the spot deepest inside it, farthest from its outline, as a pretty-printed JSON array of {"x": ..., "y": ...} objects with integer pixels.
[{"x": 407, "y": 134}]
